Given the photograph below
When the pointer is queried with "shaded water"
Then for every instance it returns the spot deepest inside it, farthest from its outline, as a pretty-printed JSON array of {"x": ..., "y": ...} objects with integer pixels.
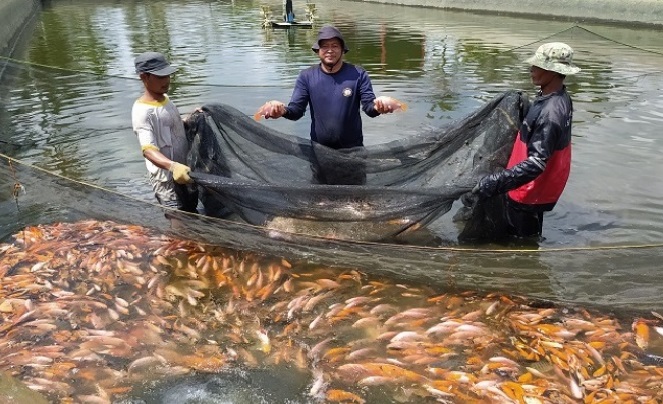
[{"x": 443, "y": 64}]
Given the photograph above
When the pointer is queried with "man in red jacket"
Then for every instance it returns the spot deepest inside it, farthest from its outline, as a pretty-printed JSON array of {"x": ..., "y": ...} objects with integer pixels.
[{"x": 540, "y": 161}]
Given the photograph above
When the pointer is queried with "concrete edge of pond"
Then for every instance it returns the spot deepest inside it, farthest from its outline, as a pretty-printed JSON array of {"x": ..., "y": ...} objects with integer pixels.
[
  {"x": 13, "y": 17},
  {"x": 623, "y": 12}
]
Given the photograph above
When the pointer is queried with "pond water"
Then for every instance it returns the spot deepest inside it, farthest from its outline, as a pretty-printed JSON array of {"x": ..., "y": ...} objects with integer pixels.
[
  {"x": 442, "y": 64},
  {"x": 68, "y": 111}
]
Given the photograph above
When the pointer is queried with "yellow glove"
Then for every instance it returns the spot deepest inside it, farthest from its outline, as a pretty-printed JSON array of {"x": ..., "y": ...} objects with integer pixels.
[{"x": 180, "y": 173}]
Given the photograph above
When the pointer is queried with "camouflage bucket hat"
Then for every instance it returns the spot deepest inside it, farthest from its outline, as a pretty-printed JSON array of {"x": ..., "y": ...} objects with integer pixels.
[{"x": 556, "y": 57}]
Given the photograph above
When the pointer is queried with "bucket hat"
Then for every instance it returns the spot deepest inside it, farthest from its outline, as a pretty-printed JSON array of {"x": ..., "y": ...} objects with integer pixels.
[
  {"x": 556, "y": 57},
  {"x": 153, "y": 63},
  {"x": 329, "y": 32}
]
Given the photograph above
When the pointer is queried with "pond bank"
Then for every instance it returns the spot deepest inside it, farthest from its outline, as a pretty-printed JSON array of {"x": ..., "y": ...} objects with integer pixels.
[{"x": 639, "y": 12}]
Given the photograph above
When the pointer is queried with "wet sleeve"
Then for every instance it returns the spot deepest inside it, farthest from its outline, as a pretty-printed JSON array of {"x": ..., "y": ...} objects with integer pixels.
[
  {"x": 367, "y": 95},
  {"x": 539, "y": 149},
  {"x": 299, "y": 99}
]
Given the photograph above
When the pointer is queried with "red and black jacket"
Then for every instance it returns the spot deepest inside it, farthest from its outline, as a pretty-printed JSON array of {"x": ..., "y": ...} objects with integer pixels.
[{"x": 540, "y": 161}]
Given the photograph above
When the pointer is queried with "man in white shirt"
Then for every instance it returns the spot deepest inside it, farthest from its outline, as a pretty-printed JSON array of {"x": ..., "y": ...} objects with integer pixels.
[{"x": 160, "y": 131}]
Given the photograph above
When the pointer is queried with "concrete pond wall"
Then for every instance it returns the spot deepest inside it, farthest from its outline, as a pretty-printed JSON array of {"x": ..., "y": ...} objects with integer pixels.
[
  {"x": 640, "y": 12},
  {"x": 14, "y": 15}
]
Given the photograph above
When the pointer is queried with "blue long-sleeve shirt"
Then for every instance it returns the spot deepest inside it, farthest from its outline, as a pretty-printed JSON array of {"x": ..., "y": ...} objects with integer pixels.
[{"x": 334, "y": 101}]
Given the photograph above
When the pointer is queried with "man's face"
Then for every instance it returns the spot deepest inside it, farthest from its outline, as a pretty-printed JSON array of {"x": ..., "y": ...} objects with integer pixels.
[
  {"x": 156, "y": 84},
  {"x": 541, "y": 77},
  {"x": 331, "y": 51}
]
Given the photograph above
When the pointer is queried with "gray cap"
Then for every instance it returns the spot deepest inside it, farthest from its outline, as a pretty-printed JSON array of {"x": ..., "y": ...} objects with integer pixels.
[
  {"x": 153, "y": 63},
  {"x": 329, "y": 32}
]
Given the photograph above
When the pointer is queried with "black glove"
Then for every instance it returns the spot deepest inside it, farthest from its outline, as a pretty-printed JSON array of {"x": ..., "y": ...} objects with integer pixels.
[{"x": 487, "y": 186}]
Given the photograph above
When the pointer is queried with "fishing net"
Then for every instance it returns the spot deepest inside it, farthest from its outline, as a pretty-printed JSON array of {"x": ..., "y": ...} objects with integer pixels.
[
  {"x": 285, "y": 182},
  {"x": 399, "y": 191}
]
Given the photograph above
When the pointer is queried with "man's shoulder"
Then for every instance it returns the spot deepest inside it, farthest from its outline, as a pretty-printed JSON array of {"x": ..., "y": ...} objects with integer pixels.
[
  {"x": 353, "y": 67},
  {"x": 559, "y": 101},
  {"x": 154, "y": 103},
  {"x": 310, "y": 70},
  {"x": 308, "y": 74},
  {"x": 141, "y": 107},
  {"x": 142, "y": 104},
  {"x": 346, "y": 67}
]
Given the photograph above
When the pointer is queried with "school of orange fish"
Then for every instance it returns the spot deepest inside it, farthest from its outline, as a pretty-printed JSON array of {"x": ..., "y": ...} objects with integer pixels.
[{"x": 91, "y": 309}]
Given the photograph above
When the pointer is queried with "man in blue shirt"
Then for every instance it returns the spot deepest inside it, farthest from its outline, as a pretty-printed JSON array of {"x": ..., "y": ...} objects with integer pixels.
[{"x": 334, "y": 91}]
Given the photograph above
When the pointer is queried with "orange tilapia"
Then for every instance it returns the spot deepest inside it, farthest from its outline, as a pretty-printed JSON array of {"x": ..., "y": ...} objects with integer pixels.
[{"x": 390, "y": 103}]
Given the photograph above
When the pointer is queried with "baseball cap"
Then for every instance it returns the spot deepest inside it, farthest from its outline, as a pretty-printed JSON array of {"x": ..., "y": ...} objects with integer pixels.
[{"x": 153, "y": 63}]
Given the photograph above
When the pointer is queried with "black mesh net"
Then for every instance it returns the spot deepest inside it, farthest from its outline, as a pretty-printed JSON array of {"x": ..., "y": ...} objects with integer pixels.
[
  {"x": 381, "y": 192},
  {"x": 562, "y": 275}
]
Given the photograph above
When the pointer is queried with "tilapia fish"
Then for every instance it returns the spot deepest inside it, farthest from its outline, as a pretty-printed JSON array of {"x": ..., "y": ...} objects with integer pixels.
[
  {"x": 390, "y": 103},
  {"x": 269, "y": 109}
]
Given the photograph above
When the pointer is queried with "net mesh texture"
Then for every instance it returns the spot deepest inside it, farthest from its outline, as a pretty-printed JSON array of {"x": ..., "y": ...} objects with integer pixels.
[{"x": 382, "y": 192}]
